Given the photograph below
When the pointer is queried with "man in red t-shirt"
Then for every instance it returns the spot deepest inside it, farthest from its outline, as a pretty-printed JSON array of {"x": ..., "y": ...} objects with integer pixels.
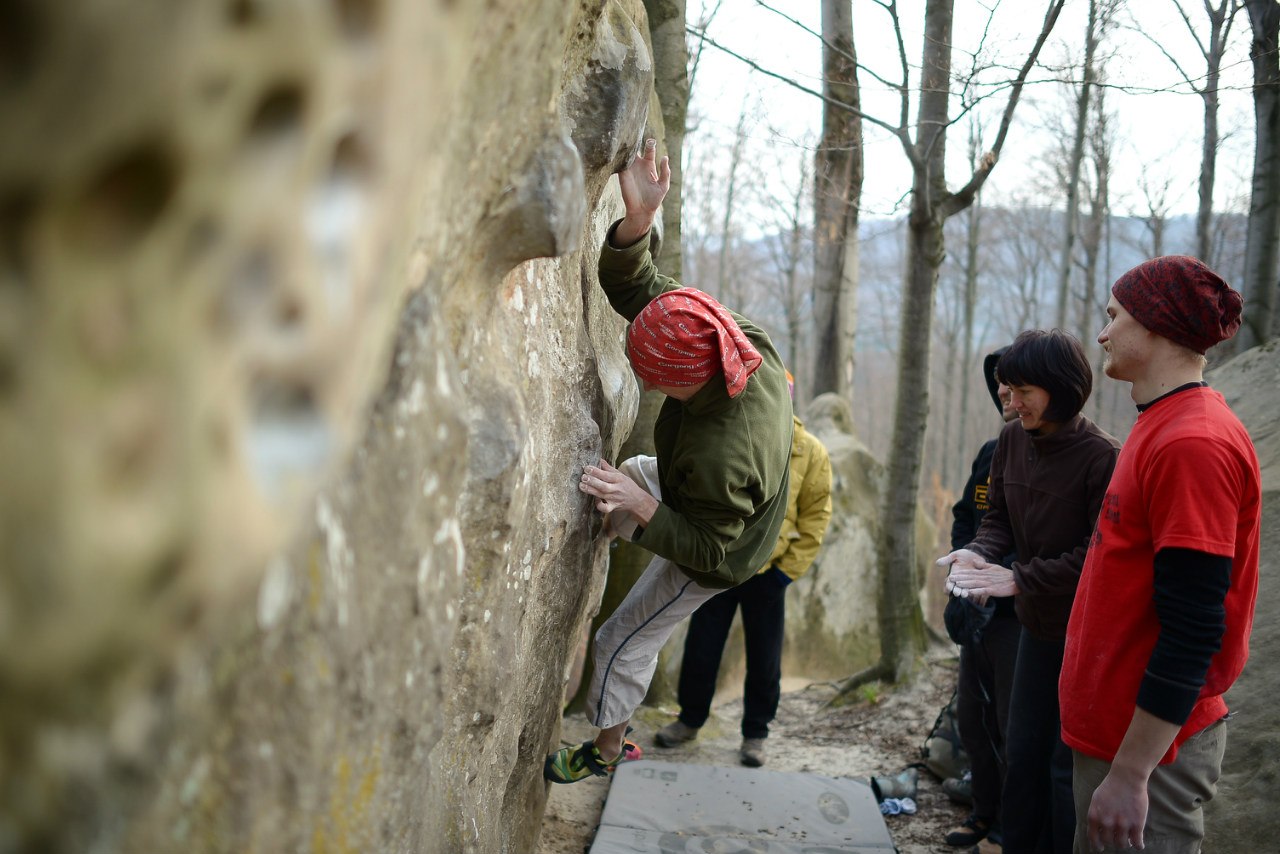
[{"x": 1160, "y": 625}]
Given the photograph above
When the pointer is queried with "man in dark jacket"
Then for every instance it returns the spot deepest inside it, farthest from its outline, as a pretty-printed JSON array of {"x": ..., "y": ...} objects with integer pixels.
[
  {"x": 988, "y": 638},
  {"x": 715, "y": 496}
]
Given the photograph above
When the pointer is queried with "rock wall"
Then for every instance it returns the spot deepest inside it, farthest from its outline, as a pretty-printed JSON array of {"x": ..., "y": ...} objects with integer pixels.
[
  {"x": 290, "y": 413},
  {"x": 1242, "y": 817}
]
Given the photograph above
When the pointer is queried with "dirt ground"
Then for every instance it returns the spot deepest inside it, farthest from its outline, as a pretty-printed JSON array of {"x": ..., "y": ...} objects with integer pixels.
[{"x": 878, "y": 734}]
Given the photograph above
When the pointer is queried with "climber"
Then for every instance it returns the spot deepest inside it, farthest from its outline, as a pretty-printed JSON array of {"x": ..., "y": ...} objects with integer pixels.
[
  {"x": 762, "y": 601},
  {"x": 715, "y": 496}
]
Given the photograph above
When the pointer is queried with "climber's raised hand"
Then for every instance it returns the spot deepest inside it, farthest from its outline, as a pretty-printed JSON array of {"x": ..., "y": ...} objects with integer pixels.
[{"x": 644, "y": 184}]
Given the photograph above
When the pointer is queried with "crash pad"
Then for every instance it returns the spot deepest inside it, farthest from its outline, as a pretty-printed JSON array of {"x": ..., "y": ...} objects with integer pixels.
[{"x": 674, "y": 808}]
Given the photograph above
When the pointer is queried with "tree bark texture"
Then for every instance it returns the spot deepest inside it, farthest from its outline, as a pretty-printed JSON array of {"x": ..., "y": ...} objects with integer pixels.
[
  {"x": 902, "y": 632},
  {"x": 792, "y": 297},
  {"x": 1092, "y": 231},
  {"x": 838, "y": 173},
  {"x": 1261, "y": 255},
  {"x": 901, "y": 623},
  {"x": 1219, "y": 26},
  {"x": 968, "y": 357},
  {"x": 671, "y": 81},
  {"x": 1075, "y": 161}
]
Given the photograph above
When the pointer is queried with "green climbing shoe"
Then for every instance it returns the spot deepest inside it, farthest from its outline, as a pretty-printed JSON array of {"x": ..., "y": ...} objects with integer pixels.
[{"x": 571, "y": 764}]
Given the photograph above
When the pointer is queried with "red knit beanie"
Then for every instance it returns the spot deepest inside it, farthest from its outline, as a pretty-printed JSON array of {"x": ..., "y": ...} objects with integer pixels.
[
  {"x": 684, "y": 337},
  {"x": 1180, "y": 298}
]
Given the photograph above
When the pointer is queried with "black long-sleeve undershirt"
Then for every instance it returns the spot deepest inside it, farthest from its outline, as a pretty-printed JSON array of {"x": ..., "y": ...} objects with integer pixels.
[{"x": 1190, "y": 594}]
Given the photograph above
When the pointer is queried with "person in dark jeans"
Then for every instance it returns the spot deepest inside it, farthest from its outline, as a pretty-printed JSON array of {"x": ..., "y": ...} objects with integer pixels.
[
  {"x": 762, "y": 599},
  {"x": 988, "y": 639},
  {"x": 1049, "y": 475}
]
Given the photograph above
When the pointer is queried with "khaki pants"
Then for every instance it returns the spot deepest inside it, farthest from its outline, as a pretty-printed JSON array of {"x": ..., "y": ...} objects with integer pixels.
[{"x": 1176, "y": 794}]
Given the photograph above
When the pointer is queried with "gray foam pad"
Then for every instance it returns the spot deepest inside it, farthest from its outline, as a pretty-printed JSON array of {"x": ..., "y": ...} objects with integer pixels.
[{"x": 672, "y": 808}]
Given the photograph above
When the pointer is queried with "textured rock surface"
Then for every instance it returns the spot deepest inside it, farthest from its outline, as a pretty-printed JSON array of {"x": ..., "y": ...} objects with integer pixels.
[
  {"x": 832, "y": 629},
  {"x": 289, "y": 416},
  {"x": 1243, "y": 816}
]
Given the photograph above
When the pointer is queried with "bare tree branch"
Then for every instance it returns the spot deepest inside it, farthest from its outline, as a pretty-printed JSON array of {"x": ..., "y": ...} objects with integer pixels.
[
  {"x": 964, "y": 196},
  {"x": 896, "y": 131},
  {"x": 975, "y": 68},
  {"x": 904, "y": 94},
  {"x": 827, "y": 44},
  {"x": 703, "y": 23},
  {"x": 1154, "y": 42}
]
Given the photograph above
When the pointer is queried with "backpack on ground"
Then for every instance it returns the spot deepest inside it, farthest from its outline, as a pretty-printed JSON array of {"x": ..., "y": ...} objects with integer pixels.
[{"x": 943, "y": 754}]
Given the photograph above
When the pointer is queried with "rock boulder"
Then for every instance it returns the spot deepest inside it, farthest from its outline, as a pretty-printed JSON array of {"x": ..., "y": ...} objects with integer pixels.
[{"x": 301, "y": 350}]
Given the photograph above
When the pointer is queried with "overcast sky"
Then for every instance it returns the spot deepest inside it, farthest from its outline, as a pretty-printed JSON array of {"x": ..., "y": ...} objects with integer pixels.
[{"x": 1159, "y": 132}]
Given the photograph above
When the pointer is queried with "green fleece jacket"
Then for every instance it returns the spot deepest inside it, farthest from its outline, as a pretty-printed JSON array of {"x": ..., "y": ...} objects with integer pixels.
[{"x": 723, "y": 463}]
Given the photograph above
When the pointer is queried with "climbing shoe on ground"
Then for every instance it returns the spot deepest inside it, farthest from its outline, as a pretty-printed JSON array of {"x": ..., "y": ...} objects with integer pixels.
[
  {"x": 675, "y": 734},
  {"x": 971, "y": 832},
  {"x": 571, "y": 764},
  {"x": 959, "y": 789},
  {"x": 752, "y": 752},
  {"x": 986, "y": 846}
]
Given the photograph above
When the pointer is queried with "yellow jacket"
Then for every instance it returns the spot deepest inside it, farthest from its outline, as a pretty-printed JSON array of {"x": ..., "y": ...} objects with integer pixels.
[{"x": 808, "y": 506}]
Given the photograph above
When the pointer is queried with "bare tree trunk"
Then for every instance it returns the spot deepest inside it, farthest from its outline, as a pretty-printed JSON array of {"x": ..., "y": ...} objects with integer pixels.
[
  {"x": 793, "y": 297},
  {"x": 902, "y": 634},
  {"x": 671, "y": 81},
  {"x": 1099, "y": 211},
  {"x": 1208, "y": 169},
  {"x": 1076, "y": 159},
  {"x": 901, "y": 623},
  {"x": 790, "y": 257},
  {"x": 727, "y": 291},
  {"x": 1219, "y": 27},
  {"x": 1261, "y": 255},
  {"x": 1206, "y": 86},
  {"x": 1101, "y": 354},
  {"x": 837, "y": 195},
  {"x": 965, "y": 362},
  {"x": 943, "y": 445},
  {"x": 669, "y": 11}
]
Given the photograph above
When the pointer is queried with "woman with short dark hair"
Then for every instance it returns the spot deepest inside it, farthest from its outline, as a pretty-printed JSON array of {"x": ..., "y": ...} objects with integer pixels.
[
  {"x": 1055, "y": 362},
  {"x": 1049, "y": 476}
]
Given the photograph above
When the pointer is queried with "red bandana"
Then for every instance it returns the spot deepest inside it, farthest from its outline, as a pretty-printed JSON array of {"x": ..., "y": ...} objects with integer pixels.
[
  {"x": 684, "y": 337},
  {"x": 1179, "y": 298}
]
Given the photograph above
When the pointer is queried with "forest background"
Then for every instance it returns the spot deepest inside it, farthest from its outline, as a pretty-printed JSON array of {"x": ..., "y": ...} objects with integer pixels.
[{"x": 749, "y": 159}]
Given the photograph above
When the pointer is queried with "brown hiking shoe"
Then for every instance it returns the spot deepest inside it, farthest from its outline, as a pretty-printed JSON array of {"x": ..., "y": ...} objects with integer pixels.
[
  {"x": 752, "y": 752},
  {"x": 675, "y": 734}
]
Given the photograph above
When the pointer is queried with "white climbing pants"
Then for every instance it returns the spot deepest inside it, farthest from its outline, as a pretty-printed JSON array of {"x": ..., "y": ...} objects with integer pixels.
[{"x": 627, "y": 645}]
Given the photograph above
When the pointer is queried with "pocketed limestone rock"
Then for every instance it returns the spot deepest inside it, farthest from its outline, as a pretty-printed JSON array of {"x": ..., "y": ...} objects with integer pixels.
[
  {"x": 543, "y": 213},
  {"x": 301, "y": 353},
  {"x": 607, "y": 99}
]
